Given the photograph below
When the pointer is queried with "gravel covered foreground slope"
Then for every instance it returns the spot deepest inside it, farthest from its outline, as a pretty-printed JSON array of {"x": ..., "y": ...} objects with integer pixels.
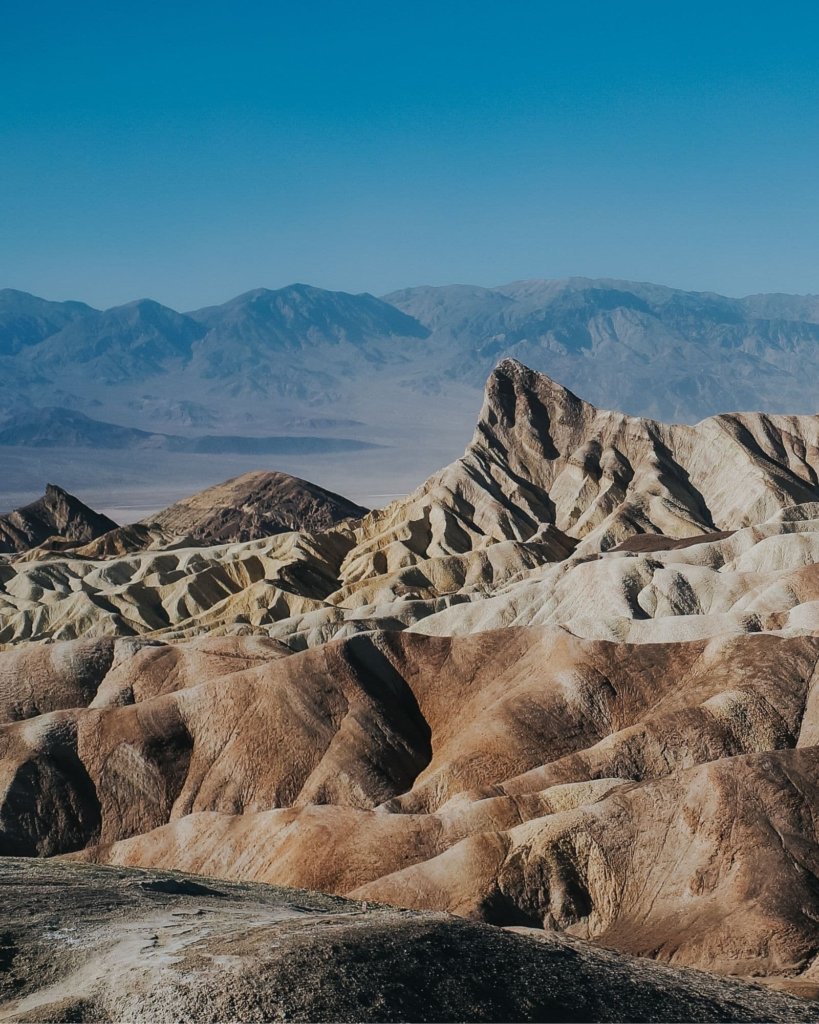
[{"x": 96, "y": 944}]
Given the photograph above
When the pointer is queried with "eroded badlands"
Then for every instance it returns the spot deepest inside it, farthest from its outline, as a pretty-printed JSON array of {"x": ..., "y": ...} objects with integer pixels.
[{"x": 567, "y": 684}]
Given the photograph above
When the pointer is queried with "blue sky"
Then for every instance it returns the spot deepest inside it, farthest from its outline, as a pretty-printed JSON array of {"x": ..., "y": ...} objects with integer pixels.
[{"x": 191, "y": 151}]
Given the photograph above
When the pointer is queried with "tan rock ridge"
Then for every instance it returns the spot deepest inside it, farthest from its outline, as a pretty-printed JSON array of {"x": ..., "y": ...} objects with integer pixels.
[
  {"x": 540, "y": 455},
  {"x": 148, "y": 592},
  {"x": 757, "y": 578},
  {"x": 548, "y": 484}
]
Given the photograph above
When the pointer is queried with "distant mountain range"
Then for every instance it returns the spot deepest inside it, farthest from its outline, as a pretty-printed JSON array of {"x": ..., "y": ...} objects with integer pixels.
[
  {"x": 652, "y": 349},
  {"x": 405, "y": 370},
  {"x": 645, "y": 348}
]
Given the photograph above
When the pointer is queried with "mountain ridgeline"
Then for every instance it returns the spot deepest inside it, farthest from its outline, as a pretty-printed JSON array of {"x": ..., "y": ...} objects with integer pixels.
[
  {"x": 248, "y": 507},
  {"x": 269, "y": 357}
]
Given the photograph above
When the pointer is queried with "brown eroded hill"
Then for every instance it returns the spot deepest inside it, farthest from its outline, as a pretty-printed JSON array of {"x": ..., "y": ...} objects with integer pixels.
[
  {"x": 248, "y": 507},
  {"x": 653, "y": 797},
  {"x": 57, "y": 515},
  {"x": 252, "y": 506}
]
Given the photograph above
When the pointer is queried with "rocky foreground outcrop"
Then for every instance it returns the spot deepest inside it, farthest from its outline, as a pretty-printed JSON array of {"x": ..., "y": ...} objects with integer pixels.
[{"x": 131, "y": 945}]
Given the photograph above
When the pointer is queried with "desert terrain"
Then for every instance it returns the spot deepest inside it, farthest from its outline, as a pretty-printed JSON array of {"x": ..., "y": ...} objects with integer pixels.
[{"x": 557, "y": 708}]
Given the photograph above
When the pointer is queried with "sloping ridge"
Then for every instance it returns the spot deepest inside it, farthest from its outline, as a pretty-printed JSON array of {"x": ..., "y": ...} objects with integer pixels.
[
  {"x": 148, "y": 945},
  {"x": 257, "y": 504},
  {"x": 57, "y": 427},
  {"x": 542, "y": 457},
  {"x": 57, "y": 513}
]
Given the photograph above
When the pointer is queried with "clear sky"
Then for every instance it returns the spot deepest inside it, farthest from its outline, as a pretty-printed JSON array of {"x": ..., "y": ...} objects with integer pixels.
[{"x": 191, "y": 151}]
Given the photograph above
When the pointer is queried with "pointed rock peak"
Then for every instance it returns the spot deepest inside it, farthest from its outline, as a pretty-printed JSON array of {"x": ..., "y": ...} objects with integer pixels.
[
  {"x": 55, "y": 491},
  {"x": 148, "y": 309},
  {"x": 300, "y": 288},
  {"x": 143, "y": 303},
  {"x": 58, "y": 498},
  {"x": 57, "y": 514},
  {"x": 513, "y": 389},
  {"x": 524, "y": 379}
]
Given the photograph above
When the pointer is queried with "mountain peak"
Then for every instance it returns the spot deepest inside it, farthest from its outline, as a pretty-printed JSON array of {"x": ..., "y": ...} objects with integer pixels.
[
  {"x": 26, "y": 320},
  {"x": 56, "y": 514},
  {"x": 55, "y": 492},
  {"x": 256, "y": 504},
  {"x": 518, "y": 396},
  {"x": 525, "y": 377},
  {"x": 298, "y": 317}
]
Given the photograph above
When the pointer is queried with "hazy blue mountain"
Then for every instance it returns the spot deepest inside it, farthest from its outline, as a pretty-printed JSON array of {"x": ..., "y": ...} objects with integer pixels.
[
  {"x": 643, "y": 348},
  {"x": 302, "y": 317},
  {"x": 26, "y": 319},
  {"x": 54, "y": 427},
  {"x": 298, "y": 341},
  {"x": 177, "y": 411},
  {"x": 464, "y": 311},
  {"x": 778, "y": 306},
  {"x": 131, "y": 341}
]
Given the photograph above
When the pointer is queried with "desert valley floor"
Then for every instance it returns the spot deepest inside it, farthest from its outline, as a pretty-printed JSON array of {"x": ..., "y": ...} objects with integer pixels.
[{"x": 567, "y": 688}]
